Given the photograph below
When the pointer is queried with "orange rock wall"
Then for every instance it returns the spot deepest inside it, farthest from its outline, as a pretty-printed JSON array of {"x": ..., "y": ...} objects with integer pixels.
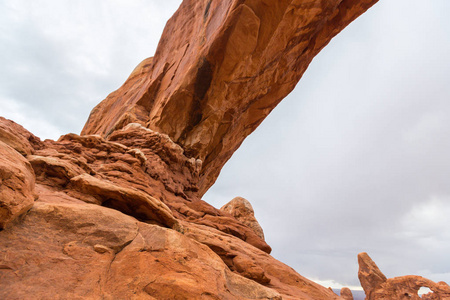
[
  {"x": 95, "y": 218},
  {"x": 220, "y": 69},
  {"x": 117, "y": 212}
]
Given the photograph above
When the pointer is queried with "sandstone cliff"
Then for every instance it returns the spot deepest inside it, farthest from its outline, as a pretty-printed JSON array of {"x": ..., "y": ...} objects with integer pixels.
[
  {"x": 220, "y": 68},
  {"x": 116, "y": 212},
  {"x": 377, "y": 286}
]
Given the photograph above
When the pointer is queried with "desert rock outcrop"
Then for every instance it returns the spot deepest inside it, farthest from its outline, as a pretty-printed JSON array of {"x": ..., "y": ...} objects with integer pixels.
[
  {"x": 378, "y": 287},
  {"x": 16, "y": 185},
  {"x": 242, "y": 210},
  {"x": 346, "y": 293},
  {"x": 116, "y": 212},
  {"x": 219, "y": 70},
  {"x": 120, "y": 220}
]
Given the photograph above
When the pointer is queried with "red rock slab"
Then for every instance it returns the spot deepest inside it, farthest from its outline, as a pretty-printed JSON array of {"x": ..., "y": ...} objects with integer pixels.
[
  {"x": 257, "y": 265},
  {"x": 165, "y": 264},
  {"x": 18, "y": 137},
  {"x": 129, "y": 201},
  {"x": 85, "y": 251},
  {"x": 16, "y": 185},
  {"x": 62, "y": 251}
]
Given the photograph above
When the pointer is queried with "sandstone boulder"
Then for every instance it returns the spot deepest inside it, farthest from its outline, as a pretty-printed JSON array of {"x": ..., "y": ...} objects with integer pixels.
[
  {"x": 16, "y": 185},
  {"x": 165, "y": 264},
  {"x": 18, "y": 137},
  {"x": 346, "y": 294},
  {"x": 53, "y": 253},
  {"x": 129, "y": 201},
  {"x": 242, "y": 210},
  {"x": 84, "y": 251},
  {"x": 54, "y": 169}
]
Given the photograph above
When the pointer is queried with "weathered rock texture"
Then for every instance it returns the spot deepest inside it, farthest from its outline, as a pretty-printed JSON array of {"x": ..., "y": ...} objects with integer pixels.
[
  {"x": 243, "y": 211},
  {"x": 377, "y": 286},
  {"x": 346, "y": 293},
  {"x": 95, "y": 218},
  {"x": 16, "y": 185},
  {"x": 116, "y": 213},
  {"x": 219, "y": 70}
]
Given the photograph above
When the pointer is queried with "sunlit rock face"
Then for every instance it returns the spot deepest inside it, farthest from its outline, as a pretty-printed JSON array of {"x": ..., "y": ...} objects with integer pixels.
[
  {"x": 219, "y": 70},
  {"x": 94, "y": 218},
  {"x": 116, "y": 212}
]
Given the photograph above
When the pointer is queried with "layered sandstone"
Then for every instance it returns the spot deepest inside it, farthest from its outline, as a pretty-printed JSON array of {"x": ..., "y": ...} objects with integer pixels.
[
  {"x": 16, "y": 185},
  {"x": 242, "y": 210},
  {"x": 219, "y": 70},
  {"x": 346, "y": 293},
  {"x": 100, "y": 219},
  {"x": 116, "y": 213},
  {"x": 378, "y": 287}
]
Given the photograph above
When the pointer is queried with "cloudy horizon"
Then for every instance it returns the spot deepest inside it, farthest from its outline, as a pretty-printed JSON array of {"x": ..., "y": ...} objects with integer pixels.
[{"x": 355, "y": 159}]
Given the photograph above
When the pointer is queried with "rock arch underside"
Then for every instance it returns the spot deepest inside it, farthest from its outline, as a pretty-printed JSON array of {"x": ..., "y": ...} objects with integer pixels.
[{"x": 116, "y": 212}]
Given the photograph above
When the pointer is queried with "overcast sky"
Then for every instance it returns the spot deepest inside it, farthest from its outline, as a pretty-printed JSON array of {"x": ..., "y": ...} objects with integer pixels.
[{"x": 356, "y": 159}]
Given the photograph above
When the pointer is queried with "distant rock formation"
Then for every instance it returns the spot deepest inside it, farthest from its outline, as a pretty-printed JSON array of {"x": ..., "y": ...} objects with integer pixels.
[
  {"x": 377, "y": 286},
  {"x": 346, "y": 293}
]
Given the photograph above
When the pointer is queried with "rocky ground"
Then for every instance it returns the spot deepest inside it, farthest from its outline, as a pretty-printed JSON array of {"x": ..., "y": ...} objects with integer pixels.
[{"x": 116, "y": 212}]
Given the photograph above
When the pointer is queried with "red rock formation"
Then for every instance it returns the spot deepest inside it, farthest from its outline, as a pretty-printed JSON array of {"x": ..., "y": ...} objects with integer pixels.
[
  {"x": 16, "y": 185},
  {"x": 118, "y": 222},
  {"x": 377, "y": 286},
  {"x": 219, "y": 70},
  {"x": 346, "y": 293},
  {"x": 116, "y": 213},
  {"x": 243, "y": 211}
]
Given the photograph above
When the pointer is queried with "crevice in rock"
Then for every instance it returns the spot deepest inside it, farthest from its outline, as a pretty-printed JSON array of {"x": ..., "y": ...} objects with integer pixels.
[
  {"x": 206, "y": 13},
  {"x": 106, "y": 278},
  {"x": 129, "y": 201}
]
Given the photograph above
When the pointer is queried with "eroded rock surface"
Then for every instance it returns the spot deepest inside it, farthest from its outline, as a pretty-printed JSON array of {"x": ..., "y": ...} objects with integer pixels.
[
  {"x": 85, "y": 251},
  {"x": 16, "y": 185},
  {"x": 17, "y": 137},
  {"x": 116, "y": 213},
  {"x": 117, "y": 219},
  {"x": 346, "y": 293},
  {"x": 377, "y": 286},
  {"x": 219, "y": 70},
  {"x": 241, "y": 209}
]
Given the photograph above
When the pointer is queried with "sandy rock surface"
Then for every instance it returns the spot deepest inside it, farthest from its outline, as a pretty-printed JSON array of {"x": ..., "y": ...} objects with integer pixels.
[
  {"x": 116, "y": 212},
  {"x": 16, "y": 185},
  {"x": 219, "y": 70}
]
